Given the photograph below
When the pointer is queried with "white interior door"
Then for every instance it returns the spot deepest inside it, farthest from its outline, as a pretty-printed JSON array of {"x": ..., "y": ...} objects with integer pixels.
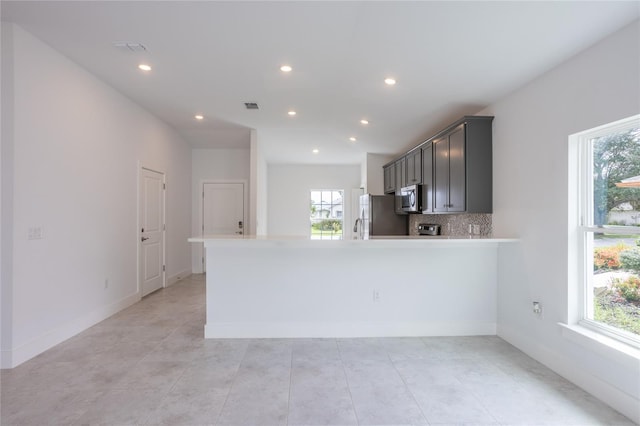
[
  {"x": 223, "y": 210},
  {"x": 151, "y": 231}
]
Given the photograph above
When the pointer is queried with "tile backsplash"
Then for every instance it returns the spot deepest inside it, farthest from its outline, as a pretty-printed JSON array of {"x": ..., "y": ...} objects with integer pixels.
[{"x": 454, "y": 224}]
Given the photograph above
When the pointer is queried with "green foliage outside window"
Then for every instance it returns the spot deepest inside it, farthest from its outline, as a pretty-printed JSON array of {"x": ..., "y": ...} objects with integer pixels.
[
  {"x": 615, "y": 157},
  {"x": 629, "y": 289},
  {"x": 328, "y": 225},
  {"x": 630, "y": 259},
  {"x": 619, "y": 304}
]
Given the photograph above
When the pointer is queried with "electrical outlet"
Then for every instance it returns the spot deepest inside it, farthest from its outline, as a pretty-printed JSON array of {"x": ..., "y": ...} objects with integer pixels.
[
  {"x": 537, "y": 308},
  {"x": 376, "y": 295},
  {"x": 106, "y": 283}
]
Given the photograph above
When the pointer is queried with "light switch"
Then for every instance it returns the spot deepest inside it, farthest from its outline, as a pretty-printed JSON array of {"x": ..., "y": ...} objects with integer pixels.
[{"x": 35, "y": 233}]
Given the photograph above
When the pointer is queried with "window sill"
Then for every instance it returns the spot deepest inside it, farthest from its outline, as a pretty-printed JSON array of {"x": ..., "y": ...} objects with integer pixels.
[{"x": 602, "y": 345}]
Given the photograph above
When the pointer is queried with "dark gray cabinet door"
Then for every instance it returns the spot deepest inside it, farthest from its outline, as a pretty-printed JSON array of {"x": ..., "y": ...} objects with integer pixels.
[
  {"x": 414, "y": 167},
  {"x": 441, "y": 174},
  {"x": 401, "y": 174},
  {"x": 449, "y": 172},
  {"x": 457, "y": 177},
  {"x": 427, "y": 178},
  {"x": 401, "y": 178},
  {"x": 390, "y": 179}
]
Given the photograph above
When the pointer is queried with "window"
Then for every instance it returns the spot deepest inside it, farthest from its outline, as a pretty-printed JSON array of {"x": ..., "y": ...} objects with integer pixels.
[
  {"x": 326, "y": 214},
  {"x": 606, "y": 225}
]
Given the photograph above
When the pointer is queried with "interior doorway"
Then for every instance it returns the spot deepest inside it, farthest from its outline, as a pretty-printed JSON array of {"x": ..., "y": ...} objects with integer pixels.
[
  {"x": 151, "y": 248},
  {"x": 223, "y": 209}
]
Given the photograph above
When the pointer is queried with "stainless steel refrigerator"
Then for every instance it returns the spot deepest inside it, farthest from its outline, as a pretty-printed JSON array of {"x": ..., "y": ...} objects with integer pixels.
[{"x": 378, "y": 217}]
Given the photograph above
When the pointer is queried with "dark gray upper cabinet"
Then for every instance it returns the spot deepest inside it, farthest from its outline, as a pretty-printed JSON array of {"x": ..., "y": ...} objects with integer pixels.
[
  {"x": 449, "y": 172},
  {"x": 390, "y": 178},
  {"x": 401, "y": 174},
  {"x": 413, "y": 162},
  {"x": 427, "y": 177},
  {"x": 462, "y": 162},
  {"x": 455, "y": 168},
  {"x": 401, "y": 180}
]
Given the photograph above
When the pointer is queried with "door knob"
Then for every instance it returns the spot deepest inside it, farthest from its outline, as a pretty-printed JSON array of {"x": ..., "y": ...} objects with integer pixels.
[{"x": 144, "y": 238}]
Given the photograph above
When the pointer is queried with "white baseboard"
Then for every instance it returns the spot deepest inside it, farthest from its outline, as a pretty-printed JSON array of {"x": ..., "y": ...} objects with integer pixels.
[
  {"x": 348, "y": 329},
  {"x": 177, "y": 277},
  {"x": 16, "y": 356},
  {"x": 6, "y": 359},
  {"x": 567, "y": 368}
]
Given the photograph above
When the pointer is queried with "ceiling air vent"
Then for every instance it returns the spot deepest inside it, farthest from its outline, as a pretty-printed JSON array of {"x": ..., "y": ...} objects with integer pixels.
[
  {"x": 251, "y": 105},
  {"x": 130, "y": 47}
]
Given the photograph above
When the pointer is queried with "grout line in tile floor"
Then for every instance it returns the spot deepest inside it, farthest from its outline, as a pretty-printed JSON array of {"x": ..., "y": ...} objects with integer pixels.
[
  {"x": 346, "y": 379},
  {"x": 150, "y": 365},
  {"x": 290, "y": 385},
  {"x": 424, "y": 414}
]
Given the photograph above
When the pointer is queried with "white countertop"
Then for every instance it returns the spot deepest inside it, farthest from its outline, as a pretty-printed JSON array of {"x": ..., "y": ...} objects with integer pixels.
[{"x": 379, "y": 241}]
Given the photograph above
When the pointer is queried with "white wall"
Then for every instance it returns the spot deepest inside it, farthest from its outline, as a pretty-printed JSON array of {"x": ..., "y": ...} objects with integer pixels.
[
  {"x": 372, "y": 174},
  {"x": 213, "y": 165},
  {"x": 289, "y": 189},
  {"x": 6, "y": 188},
  {"x": 258, "y": 184},
  {"x": 303, "y": 288},
  {"x": 76, "y": 146},
  {"x": 530, "y": 142}
]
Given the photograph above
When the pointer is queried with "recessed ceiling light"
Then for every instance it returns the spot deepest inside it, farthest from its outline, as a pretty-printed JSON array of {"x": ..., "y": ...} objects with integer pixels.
[
  {"x": 285, "y": 68},
  {"x": 315, "y": 151},
  {"x": 144, "y": 67},
  {"x": 199, "y": 117},
  {"x": 292, "y": 113},
  {"x": 352, "y": 139},
  {"x": 390, "y": 81},
  {"x": 363, "y": 121}
]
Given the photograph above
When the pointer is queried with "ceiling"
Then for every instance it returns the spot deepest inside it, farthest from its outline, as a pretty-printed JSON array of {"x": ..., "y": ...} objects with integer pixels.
[{"x": 449, "y": 59}]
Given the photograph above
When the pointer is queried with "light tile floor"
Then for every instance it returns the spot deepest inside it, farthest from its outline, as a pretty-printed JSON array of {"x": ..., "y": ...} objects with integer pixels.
[{"x": 150, "y": 364}]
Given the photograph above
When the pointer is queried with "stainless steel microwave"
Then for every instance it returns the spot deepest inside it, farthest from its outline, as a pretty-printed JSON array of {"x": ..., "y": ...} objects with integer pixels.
[{"x": 410, "y": 197}]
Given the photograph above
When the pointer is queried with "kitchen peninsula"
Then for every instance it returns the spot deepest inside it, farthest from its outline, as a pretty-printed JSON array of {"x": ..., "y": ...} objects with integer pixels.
[{"x": 400, "y": 286}]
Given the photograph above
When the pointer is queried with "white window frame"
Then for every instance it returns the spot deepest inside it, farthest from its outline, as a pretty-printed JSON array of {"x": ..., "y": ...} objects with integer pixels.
[
  {"x": 330, "y": 209},
  {"x": 582, "y": 230}
]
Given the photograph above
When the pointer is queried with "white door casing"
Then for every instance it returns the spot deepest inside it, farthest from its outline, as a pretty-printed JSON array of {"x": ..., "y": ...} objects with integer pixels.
[
  {"x": 223, "y": 209},
  {"x": 151, "y": 229}
]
